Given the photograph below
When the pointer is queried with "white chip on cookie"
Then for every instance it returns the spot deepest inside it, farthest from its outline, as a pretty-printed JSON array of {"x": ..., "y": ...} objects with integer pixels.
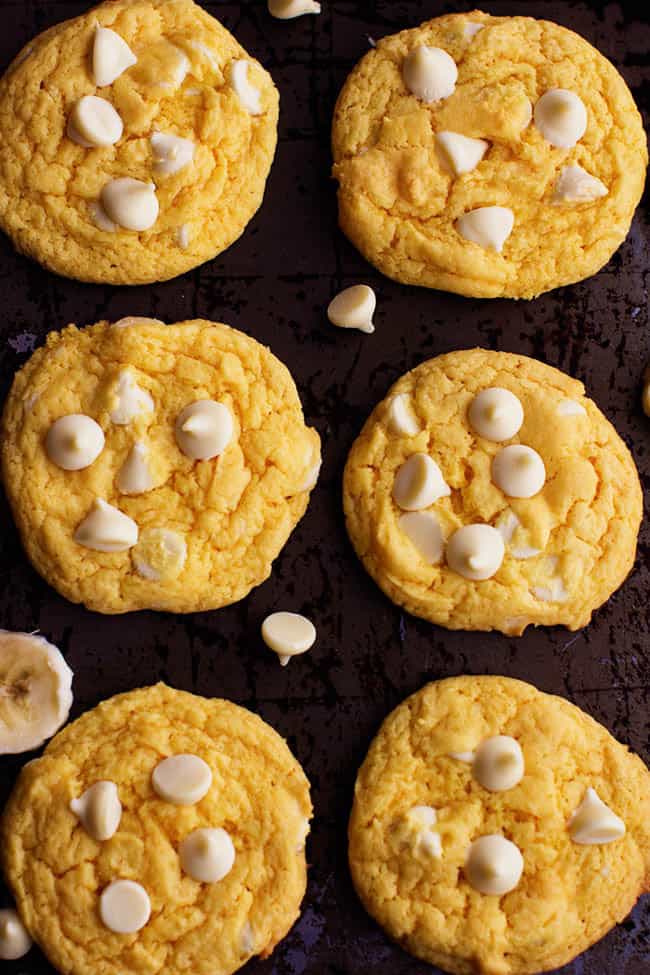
[
  {"x": 496, "y": 414},
  {"x": 171, "y": 153},
  {"x": 207, "y": 855},
  {"x": 182, "y": 779},
  {"x": 419, "y": 483},
  {"x": 475, "y": 552},
  {"x": 353, "y": 308},
  {"x": 460, "y": 153},
  {"x": 112, "y": 56},
  {"x": 99, "y": 810},
  {"x": 248, "y": 94},
  {"x": 401, "y": 420},
  {"x": 160, "y": 554},
  {"x": 93, "y": 121},
  {"x": 204, "y": 429},
  {"x": 423, "y": 529},
  {"x": 594, "y": 822},
  {"x": 493, "y": 865},
  {"x": 576, "y": 185},
  {"x": 106, "y": 529},
  {"x": 519, "y": 471},
  {"x": 561, "y": 117},
  {"x": 429, "y": 73},
  {"x": 130, "y": 400},
  {"x": 488, "y": 227},
  {"x": 288, "y": 635},
  {"x": 74, "y": 442},
  {"x": 124, "y": 907},
  {"x": 423, "y": 818},
  {"x": 135, "y": 475},
  {"x": 130, "y": 203},
  {"x": 498, "y": 763},
  {"x": 570, "y": 407}
]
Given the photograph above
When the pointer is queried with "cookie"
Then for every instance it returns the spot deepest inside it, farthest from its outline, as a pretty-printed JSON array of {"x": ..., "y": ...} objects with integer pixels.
[
  {"x": 490, "y": 156},
  {"x": 137, "y": 140},
  {"x": 155, "y": 466},
  {"x": 487, "y": 492},
  {"x": 497, "y": 829},
  {"x": 108, "y": 803}
]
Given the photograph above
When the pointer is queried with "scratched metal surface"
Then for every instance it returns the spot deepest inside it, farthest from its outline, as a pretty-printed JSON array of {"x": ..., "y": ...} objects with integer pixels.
[{"x": 275, "y": 284}]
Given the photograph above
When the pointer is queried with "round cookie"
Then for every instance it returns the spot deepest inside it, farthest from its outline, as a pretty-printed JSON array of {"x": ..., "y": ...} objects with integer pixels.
[
  {"x": 564, "y": 550},
  {"x": 191, "y": 534},
  {"x": 400, "y": 196},
  {"x": 57, "y": 871},
  {"x": 569, "y": 894},
  {"x": 181, "y": 85}
]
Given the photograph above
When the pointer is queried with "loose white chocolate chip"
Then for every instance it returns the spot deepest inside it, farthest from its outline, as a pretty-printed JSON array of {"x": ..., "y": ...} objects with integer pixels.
[
  {"x": 419, "y": 483},
  {"x": 99, "y": 810},
  {"x": 130, "y": 400},
  {"x": 248, "y": 94},
  {"x": 111, "y": 56},
  {"x": 124, "y": 907},
  {"x": 471, "y": 29},
  {"x": 288, "y": 635},
  {"x": 288, "y": 9},
  {"x": 561, "y": 117},
  {"x": 475, "y": 552},
  {"x": 459, "y": 153},
  {"x": 430, "y": 73},
  {"x": 207, "y": 855},
  {"x": 204, "y": 429},
  {"x": 576, "y": 185},
  {"x": 94, "y": 122},
  {"x": 401, "y": 419},
  {"x": 496, "y": 414},
  {"x": 160, "y": 554},
  {"x": 519, "y": 471},
  {"x": 593, "y": 822},
  {"x": 130, "y": 203},
  {"x": 182, "y": 779},
  {"x": 100, "y": 219},
  {"x": 423, "y": 529},
  {"x": 183, "y": 236},
  {"x": 106, "y": 529},
  {"x": 569, "y": 407},
  {"x": 467, "y": 757},
  {"x": 74, "y": 442},
  {"x": 353, "y": 308},
  {"x": 171, "y": 153},
  {"x": 134, "y": 476},
  {"x": 493, "y": 865},
  {"x": 488, "y": 227},
  {"x": 15, "y": 941},
  {"x": 498, "y": 763}
]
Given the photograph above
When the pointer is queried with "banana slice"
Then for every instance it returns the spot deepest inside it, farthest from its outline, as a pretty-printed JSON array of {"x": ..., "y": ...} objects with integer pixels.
[{"x": 35, "y": 691}]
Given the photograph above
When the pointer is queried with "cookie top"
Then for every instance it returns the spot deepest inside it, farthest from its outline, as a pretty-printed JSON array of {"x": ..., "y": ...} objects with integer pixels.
[
  {"x": 571, "y": 889},
  {"x": 406, "y": 178},
  {"x": 136, "y": 519},
  {"x": 563, "y": 509},
  {"x": 257, "y": 793},
  {"x": 191, "y": 80}
]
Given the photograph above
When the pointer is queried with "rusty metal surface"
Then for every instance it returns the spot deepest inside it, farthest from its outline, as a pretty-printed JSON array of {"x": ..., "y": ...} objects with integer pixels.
[{"x": 275, "y": 283}]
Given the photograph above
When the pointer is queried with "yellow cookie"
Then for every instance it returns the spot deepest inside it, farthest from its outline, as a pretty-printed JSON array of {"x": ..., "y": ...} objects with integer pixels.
[
  {"x": 487, "y": 492},
  {"x": 453, "y": 118},
  {"x": 155, "y": 466},
  {"x": 558, "y": 871},
  {"x": 146, "y": 90},
  {"x": 254, "y": 790}
]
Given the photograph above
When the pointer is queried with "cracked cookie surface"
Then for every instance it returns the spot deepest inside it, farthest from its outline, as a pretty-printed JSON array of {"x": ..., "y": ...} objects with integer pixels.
[
  {"x": 397, "y": 202},
  {"x": 578, "y": 534},
  {"x": 49, "y": 184},
  {"x": 259, "y": 794},
  {"x": 234, "y": 512},
  {"x": 569, "y": 895}
]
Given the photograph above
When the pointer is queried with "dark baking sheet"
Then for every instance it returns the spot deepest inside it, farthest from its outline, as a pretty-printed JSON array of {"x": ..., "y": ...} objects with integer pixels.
[{"x": 275, "y": 284}]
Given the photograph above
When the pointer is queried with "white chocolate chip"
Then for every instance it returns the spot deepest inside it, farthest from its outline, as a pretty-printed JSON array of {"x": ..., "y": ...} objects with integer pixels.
[
  {"x": 111, "y": 56},
  {"x": 288, "y": 635},
  {"x": 74, "y": 442},
  {"x": 488, "y": 227},
  {"x": 311, "y": 477},
  {"x": 518, "y": 471},
  {"x": 471, "y": 29},
  {"x": 576, "y": 185},
  {"x": 99, "y": 810},
  {"x": 288, "y": 9},
  {"x": 171, "y": 153},
  {"x": 130, "y": 400},
  {"x": 130, "y": 203},
  {"x": 353, "y": 308},
  {"x": 106, "y": 529},
  {"x": 554, "y": 593},
  {"x": 423, "y": 818},
  {"x": 419, "y": 483},
  {"x": 204, "y": 429},
  {"x": 475, "y": 552},
  {"x": 182, "y": 779},
  {"x": 401, "y": 420},
  {"x": 593, "y": 822},
  {"x": 94, "y": 122},
  {"x": 303, "y": 831},
  {"x": 430, "y": 73},
  {"x": 160, "y": 554},
  {"x": 498, "y": 763},
  {"x": 247, "y": 939},
  {"x": 99, "y": 217},
  {"x": 525, "y": 552},
  {"x": 208, "y": 53},
  {"x": 493, "y": 865},
  {"x": 183, "y": 236},
  {"x": 459, "y": 153},
  {"x": 507, "y": 525},
  {"x": 422, "y": 528},
  {"x": 207, "y": 855},
  {"x": 569, "y": 407},
  {"x": 134, "y": 476},
  {"x": 496, "y": 414},
  {"x": 467, "y": 757},
  {"x": 431, "y": 843},
  {"x": 248, "y": 94},
  {"x": 561, "y": 117},
  {"x": 124, "y": 907},
  {"x": 423, "y": 815},
  {"x": 181, "y": 70},
  {"x": 15, "y": 941}
]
